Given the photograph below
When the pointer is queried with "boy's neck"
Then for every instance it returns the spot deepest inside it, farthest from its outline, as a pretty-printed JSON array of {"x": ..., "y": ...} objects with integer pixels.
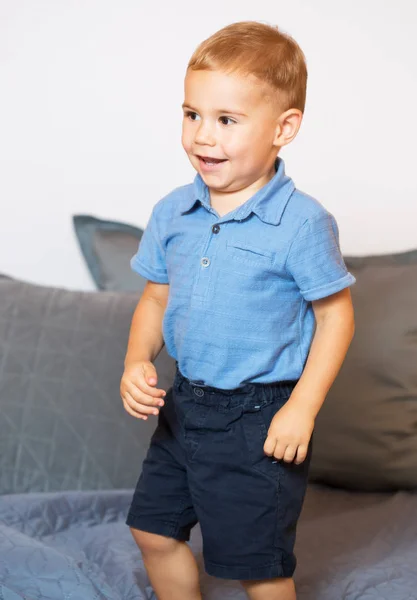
[{"x": 225, "y": 202}]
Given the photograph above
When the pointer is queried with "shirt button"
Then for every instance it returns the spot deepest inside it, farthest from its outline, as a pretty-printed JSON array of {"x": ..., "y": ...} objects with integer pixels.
[
  {"x": 205, "y": 261},
  {"x": 215, "y": 228},
  {"x": 198, "y": 392}
]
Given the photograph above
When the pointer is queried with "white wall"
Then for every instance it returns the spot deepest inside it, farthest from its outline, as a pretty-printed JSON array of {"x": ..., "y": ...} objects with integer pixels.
[{"x": 90, "y": 118}]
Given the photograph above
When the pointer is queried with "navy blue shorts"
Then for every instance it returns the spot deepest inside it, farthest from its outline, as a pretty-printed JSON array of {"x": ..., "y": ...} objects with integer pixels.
[{"x": 206, "y": 464}]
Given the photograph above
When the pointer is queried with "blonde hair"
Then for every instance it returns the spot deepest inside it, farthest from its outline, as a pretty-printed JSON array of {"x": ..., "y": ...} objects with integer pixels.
[{"x": 253, "y": 48}]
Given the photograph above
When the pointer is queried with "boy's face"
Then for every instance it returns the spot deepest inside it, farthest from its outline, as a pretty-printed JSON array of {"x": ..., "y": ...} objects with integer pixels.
[{"x": 212, "y": 127}]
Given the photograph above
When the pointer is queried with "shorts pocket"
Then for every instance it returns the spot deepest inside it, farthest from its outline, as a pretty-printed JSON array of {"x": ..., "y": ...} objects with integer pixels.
[
  {"x": 292, "y": 490},
  {"x": 256, "y": 422}
]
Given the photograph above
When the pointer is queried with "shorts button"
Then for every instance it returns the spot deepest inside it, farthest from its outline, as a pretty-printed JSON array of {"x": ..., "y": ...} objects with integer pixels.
[
  {"x": 198, "y": 392},
  {"x": 215, "y": 228}
]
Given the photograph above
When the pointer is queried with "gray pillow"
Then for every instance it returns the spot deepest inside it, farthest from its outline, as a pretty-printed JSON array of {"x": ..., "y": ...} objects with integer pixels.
[
  {"x": 366, "y": 431},
  {"x": 62, "y": 421},
  {"x": 107, "y": 247}
]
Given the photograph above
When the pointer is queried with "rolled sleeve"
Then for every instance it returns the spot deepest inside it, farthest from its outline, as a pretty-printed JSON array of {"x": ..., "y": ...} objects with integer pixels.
[
  {"x": 149, "y": 261},
  {"x": 315, "y": 260}
]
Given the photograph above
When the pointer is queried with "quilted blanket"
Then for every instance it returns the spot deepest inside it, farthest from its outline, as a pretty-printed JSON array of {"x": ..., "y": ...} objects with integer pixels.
[{"x": 76, "y": 546}]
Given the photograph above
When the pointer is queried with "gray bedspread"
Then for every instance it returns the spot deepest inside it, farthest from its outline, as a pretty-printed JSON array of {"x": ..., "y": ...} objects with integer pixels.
[{"x": 76, "y": 546}]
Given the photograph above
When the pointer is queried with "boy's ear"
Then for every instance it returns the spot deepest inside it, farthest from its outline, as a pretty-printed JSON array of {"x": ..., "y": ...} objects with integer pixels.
[{"x": 288, "y": 124}]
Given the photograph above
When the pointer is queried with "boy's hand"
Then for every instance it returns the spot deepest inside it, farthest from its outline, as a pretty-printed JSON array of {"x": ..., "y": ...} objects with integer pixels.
[
  {"x": 289, "y": 433},
  {"x": 139, "y": 396}
]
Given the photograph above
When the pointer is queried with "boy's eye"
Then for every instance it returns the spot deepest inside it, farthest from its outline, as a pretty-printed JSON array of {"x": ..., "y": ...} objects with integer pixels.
[
  {"x": 227, "y": 119},
  {"x": 189, "y": 114}
]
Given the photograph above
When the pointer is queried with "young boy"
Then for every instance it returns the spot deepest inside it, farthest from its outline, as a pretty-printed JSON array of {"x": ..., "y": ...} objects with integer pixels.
[{"x": 249, "y": 291}]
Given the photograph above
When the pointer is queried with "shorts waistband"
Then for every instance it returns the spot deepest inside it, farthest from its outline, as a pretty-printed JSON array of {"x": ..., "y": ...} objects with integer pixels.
[{"x": 276, "y": 389}]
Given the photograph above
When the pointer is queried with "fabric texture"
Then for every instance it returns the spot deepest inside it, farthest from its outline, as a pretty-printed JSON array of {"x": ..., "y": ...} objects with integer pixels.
[
  {"x": 107, "y": 247},
  {"x": 350, "y": 546},
  {"x": 366, "y": 430},
  {"x": 241, "y": 285},
  {"x": 61, "y": 360}
]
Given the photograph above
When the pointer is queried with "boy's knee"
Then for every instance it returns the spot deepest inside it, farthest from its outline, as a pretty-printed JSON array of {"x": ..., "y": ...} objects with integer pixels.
[
  {"x": 152, "y": 543},
  {"x": 281, "y": 588}
]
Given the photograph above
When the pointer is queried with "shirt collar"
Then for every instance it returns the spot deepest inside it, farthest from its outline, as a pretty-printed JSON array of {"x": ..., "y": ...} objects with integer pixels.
[{"x": 268, "y": 203}]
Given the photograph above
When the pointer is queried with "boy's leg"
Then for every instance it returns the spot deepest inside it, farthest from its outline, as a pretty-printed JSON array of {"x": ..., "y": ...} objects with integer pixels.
[
  {"x": 161, "y": 514},
  {"x": 271, "y": 589},
  {"x": 170, "y": 565}
]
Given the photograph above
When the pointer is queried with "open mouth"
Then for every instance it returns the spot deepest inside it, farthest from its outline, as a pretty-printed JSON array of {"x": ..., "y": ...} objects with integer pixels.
[{"x": 211, "y": 161}]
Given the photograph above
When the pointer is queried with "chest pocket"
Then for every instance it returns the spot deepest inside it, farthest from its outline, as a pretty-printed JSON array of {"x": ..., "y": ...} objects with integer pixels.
[{"x": 248, "y": 253}]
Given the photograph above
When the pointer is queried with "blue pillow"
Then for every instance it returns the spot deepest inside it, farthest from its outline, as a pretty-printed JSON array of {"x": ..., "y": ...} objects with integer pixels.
[{"x": 107, "y": 247}]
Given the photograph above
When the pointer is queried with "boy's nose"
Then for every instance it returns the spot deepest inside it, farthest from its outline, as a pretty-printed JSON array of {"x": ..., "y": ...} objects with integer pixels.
[{"x": 205, "y": 135}]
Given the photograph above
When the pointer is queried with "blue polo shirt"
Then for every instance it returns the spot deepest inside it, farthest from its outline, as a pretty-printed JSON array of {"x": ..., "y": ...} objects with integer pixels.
[{"x": 239, "y": 307}]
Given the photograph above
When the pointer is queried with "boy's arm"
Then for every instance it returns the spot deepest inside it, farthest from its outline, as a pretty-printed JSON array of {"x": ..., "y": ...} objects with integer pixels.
[
  {"x": 292, "y": 426},
  {"x": 335, "y": 328},
  {"x": 145, "y": 337}
]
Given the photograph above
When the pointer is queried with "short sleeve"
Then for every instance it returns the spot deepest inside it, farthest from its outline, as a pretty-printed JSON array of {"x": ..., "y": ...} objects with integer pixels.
[
  {"x": 315, "y": 260},
  {"x": 149, "y": 261}
]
